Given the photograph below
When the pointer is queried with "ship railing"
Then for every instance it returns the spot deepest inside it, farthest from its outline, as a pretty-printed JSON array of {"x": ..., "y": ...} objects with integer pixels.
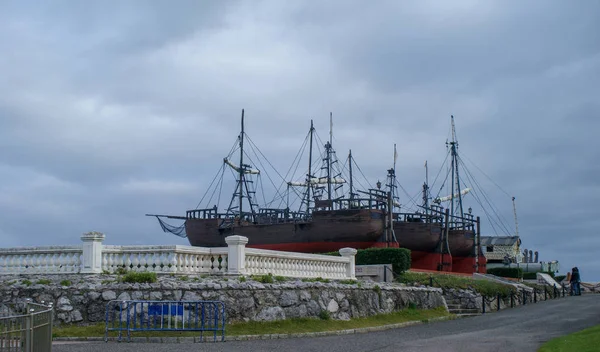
[{"x": 418, "y": 217}]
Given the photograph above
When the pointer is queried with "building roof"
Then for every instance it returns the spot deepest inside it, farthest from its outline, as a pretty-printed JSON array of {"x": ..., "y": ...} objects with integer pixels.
[{"x": 500, "y": 240}]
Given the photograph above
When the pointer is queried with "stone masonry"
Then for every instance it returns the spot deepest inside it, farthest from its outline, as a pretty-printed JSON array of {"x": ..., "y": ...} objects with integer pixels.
[{"x": 84, "y": 300}]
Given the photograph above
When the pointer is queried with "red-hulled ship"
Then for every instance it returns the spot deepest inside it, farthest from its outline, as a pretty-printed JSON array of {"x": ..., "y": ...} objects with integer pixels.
[{"x": 325, "y": 223}]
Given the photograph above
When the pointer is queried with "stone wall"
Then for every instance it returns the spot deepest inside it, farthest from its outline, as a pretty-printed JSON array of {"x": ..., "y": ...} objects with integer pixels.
[
  {"x": 472, "y": 300},
  {"x": 84, "y": 300}
]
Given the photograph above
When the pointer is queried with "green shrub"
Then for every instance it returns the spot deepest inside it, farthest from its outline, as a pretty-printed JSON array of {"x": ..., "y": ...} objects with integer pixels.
[
  {"x": 529, "y": 276},
  {"x": 242, "y": 279},
  {"x": 324, "y": 315},
  {"x": 141, "y": 277},
  {"x": 316, "y": 279},
  {"x": 26, "y": 282},
  {"x": 412, "y": 305},
  {"x": 377, "y": 289},
  {"x": 121, "y": 271},
  {"x": 43, "y": 282},
  {"x": 560, "y": 278},
  {"x": 183, "y": 278},
  {"x": 506, "y": 272},
  {"x": 265, "y": 279},
  {"x": 279, "y": 278},
  {"x": 398, "y": 257},
  {"x": 348, "y": 282},
  {"x": 65, "y": 283}
]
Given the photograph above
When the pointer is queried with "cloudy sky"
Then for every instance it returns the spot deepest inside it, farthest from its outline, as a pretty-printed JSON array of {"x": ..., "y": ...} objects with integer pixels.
[{"x": 110, "y": 110}]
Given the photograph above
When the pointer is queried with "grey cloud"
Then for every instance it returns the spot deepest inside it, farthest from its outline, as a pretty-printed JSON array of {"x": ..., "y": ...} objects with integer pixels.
[{"x": 111, "y": 110}]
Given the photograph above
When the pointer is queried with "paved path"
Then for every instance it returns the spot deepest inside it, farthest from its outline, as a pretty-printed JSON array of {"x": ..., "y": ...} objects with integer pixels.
[{"x": 519, "y": 329}]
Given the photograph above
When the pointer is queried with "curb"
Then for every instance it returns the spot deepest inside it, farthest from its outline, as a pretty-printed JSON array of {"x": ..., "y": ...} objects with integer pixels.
[{"x": 198, "y": 339}]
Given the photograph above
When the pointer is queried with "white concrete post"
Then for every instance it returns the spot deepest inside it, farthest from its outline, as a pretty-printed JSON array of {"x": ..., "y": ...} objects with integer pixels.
[
  {"x": 236, "y": 254},
  {"x": 92, "y": 252},
  {"x": 350, "y": 253}
]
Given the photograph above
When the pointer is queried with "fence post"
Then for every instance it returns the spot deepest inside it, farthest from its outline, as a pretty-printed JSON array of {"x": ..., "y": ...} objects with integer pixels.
[
  {"x": 92, "y": 252},
  {"x": 482, "y": 304},
  {"x": 512, "y": 300},
  {"x": 236, "y": 254},
  {"x": 498, "y": 302},
  {"x": 350, "y": 253}
]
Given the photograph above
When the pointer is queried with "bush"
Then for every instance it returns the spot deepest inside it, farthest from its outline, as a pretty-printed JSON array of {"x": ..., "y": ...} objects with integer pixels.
[
  {"x": 398, "y": 257},
  {"x": 43, "y": 282},
  {"x": 142, "y": 277},
  {"x": 560, "y": 278},
  {"x": 65, "y": 283},
  {"x": 506, "y": 272},
  {"x": 265, "y": 279},
  {"x": 324, "y": 315}
]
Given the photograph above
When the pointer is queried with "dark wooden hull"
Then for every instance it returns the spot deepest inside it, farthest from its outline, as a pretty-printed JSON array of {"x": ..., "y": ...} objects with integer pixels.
[
  {"x": 418, "y": 236},
  {"x": 327, "y": 231},
  {"x": 461, "y": 243}
]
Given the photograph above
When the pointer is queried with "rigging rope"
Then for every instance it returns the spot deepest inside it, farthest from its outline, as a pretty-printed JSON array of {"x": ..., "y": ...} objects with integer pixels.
[{"x": 176, "y": 230}]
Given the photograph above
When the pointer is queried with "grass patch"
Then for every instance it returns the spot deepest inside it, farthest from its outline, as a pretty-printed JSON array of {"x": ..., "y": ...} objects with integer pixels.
[
  {"x": 316, "y": 279},
  {"x": 44, "y": 282},
  {"x": 65, "y": 283},
  {"x": 265, "y": 279},
  {"x": 348, "y": 282},
  {"x": 287, "y": 326},
  {"x": 140, "y": 277},
  {"x": 484, "y": 287},
  {"x": 26, "y": 282},
  {"x": 583, "y": 341}
]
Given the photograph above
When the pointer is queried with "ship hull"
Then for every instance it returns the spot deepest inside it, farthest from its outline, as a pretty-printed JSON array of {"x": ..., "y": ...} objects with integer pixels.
[
  {"x": 327, "y": 231},
  {"x": 423, "y": 240},
  {"x": 462, "y": 248}
]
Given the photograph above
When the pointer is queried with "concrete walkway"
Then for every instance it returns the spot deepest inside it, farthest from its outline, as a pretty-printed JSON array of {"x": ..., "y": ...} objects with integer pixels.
[{"x": 520, "y": 329}]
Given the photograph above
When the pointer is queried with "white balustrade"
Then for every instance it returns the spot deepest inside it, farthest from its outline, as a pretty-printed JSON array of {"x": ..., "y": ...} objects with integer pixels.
[
  {"x": 260, "y": 261},
  {"x": 40, "y": 260},
  {"x": 235, "y": 259}
]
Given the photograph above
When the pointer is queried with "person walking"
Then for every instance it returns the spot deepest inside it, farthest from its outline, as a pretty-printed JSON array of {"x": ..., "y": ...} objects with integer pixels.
[{"x": 575, "y": 282}]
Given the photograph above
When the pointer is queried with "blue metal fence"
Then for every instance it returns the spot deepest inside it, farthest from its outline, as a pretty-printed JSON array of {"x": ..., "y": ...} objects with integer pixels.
[{"x": 179, "y": 316}]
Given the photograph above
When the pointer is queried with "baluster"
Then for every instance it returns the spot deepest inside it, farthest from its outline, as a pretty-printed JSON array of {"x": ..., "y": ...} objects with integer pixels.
[
  {"x": 135, "y": 261},
  {"x": 173, "y": 261}
]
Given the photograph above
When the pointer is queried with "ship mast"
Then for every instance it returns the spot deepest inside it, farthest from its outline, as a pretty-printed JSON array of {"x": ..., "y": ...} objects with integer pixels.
[
  {"x": 455, "y": 175},
  {"x": 309, "y": 176},
  {"x": 241, "y": 169},
  {"x": 350, "y": 171},
  {"x": 515, "y": 211},
  {"x": 328, "y": 146},
  {"x": 426, "y": 189}
]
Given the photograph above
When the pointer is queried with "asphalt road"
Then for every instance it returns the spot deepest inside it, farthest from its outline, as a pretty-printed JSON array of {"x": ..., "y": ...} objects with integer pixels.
[{"x": 519, "y": 329}]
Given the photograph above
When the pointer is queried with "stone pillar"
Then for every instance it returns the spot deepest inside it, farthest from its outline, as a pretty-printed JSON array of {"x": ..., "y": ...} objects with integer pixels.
[
  {"x": 350, "y": 253},
  {"x": 236, "y": 256},
  {"x": 92, "y": 252}
]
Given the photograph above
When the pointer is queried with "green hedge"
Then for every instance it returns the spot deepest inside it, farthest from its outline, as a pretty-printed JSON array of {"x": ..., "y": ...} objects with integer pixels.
[
  {"x": 398, "y": 257},
  {"x": 506, "y": 272},
  {"x": 529, "y": 276}
]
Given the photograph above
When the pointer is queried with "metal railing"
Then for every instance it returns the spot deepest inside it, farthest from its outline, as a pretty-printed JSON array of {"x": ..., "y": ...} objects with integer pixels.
[
  {"x": 165, "y": 316},
  {"x": 29, "y": 330}
]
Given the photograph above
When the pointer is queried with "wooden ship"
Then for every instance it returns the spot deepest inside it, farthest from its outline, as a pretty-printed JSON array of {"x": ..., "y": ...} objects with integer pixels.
[{"x": 325, "y": 223}]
